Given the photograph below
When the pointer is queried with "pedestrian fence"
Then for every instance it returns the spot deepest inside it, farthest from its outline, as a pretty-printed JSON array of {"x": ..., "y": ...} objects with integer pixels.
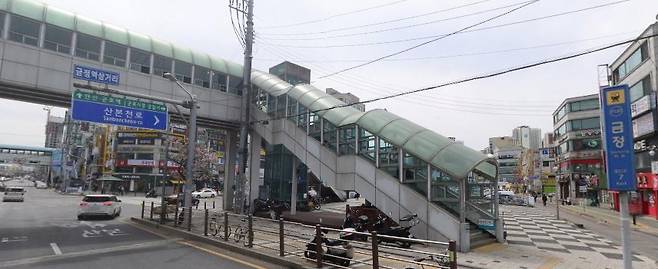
[{"x": 304, "y": 242}]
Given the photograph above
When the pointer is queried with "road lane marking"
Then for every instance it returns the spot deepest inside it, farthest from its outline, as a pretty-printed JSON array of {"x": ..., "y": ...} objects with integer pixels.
[
  {"x": 56, "y": 249},
  {"x": 222, "y": 255},
  {"x": 90, "y": 252}
]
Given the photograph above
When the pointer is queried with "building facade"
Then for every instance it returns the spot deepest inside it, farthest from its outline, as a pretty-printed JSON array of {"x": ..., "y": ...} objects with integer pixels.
[
  {"x": 527, "y": 137},
  {"x": 637, "y": 68},
  {"x": 292, "y": 73},
  {"x": 54, "y": 132},
  {"x": 348, "y": 98},
  {"x": 577, "y": 133},
  {"x": 508, "y": 154}
]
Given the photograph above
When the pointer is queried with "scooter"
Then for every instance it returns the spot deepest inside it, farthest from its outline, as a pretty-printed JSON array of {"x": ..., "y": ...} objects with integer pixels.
[
  {"x": 350, "y": 228},
  {"x": 399, "y": 231},
  {"x": 151, "y": 194},
  {"x": 333, "y": 251}
]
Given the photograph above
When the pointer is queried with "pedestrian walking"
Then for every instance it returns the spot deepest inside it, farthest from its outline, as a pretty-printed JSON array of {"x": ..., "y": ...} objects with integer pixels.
[
  {"x": 544, "y": 198},
  {"x": 121, "y": 190}
]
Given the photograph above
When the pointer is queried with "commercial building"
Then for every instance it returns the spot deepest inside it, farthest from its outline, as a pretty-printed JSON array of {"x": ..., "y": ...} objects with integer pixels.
[
  {"x": 637, "y": 68},
  {"x": 54, "y": 132},
  {"x": 527, "y": 137},
  {"x": 291, "y": 73},
  {"x": 577, "y": 131},
  {"x": 347, "y": 98},
  {"x": 507, "y": 153}
]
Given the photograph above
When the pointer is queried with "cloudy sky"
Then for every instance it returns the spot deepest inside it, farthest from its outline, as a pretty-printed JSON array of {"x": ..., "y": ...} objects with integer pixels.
[{"x": 330, "y": 36}]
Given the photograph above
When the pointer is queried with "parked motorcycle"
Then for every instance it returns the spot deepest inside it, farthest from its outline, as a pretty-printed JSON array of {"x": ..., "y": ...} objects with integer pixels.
[
  {"x": 350, "y": 227},
  {"x": 398, "y": 231},
  {"x": 151, "y": 194},
  {"x": 333, "y": 251}
]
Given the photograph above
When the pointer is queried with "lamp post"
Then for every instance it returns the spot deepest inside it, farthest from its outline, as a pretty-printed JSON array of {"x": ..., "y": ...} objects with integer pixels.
[
  {"x": 191, "y": 138},
  {"x": 50, "y": 177},
  {"x": 558, "y": 192}
]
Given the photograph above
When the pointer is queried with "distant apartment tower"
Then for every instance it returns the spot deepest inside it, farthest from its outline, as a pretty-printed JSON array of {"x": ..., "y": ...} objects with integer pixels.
[
  {"x": 292, "y": 73},
  {"x": 54, "y": 132},
  {"x": 348, "y": 98},
  {"x": 548, "y": 141},
  {"x": 527, "y": 137}
]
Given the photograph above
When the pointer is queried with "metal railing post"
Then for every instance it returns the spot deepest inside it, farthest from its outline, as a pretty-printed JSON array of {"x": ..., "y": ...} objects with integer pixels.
[
  {"x": 151, "y": 212},
  {"x": 143, "y": 204},
  {"x": 205, "y": 223},
  {"x": 452, "y": 254},
  {"x": 176, "y": 216},
  {"x": 163, "y": 212},
  {"x": 375, "y": 251},
  {"x": 213, "y": 204},
  {"x": 250, "y": 233},
  {"x": 189, "y": 219},
  {"x": 197, "y": 206},
  {"x": 225, "y": 226},
  {"x": 318, "y": 246},
  {"x": 281, "y": 237},
  {"x": 204, "y": 205}
]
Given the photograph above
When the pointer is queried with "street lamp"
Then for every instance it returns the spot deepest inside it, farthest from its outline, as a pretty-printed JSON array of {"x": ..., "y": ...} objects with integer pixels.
[
  {"x": 558, "y": 192},
  {"x": 192, "y": 105}
]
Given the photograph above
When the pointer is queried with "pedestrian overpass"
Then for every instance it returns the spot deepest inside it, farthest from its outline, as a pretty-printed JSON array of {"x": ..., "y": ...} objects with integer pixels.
[{"x": 396, "y": 164}]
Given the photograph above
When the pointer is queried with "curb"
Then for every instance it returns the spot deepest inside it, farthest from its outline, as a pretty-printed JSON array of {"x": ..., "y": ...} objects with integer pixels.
[{"x": 244, "y": 251}]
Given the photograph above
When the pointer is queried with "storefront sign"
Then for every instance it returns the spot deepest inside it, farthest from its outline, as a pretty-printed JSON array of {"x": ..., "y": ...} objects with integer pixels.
[
  {"x": 619, "y": 154},
  {"x": 641, "y": 105},
  {"x": 149, "y": 163},
  {"x": 487, "y": 224},
  {"x": 643, "y": 125}
]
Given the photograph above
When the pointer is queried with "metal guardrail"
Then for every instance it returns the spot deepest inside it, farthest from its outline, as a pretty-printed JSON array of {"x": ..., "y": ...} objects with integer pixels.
[{"x": 291, "y": 239}]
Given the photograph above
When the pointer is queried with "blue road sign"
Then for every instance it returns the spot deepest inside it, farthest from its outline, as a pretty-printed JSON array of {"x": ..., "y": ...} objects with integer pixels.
[
  {"x": 98, "y": 108},
  {"x": 95, "y": 75},
  {"x": 618, "y": 134}
]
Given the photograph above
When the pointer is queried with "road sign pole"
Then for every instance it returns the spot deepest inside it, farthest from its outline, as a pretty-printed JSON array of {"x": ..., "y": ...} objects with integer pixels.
[{"x": 625, "y": 229}]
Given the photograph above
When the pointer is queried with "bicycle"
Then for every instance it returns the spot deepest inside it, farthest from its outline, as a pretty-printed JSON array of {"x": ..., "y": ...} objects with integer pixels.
[
  {"x": 441, "y": 261},
  {"x": 215, "y": 227},
  {"x": 241, "y": 233}
]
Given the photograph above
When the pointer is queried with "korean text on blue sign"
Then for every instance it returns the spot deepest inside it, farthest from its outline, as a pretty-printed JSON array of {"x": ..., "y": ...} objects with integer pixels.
[
  {"x": 95, "y": 75},
  {"x": 618, "y": 133}
]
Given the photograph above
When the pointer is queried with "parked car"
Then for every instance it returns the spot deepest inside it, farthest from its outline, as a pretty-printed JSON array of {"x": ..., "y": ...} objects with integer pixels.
[
  {"x": 204, "y": 193},
  {"x": 178, "y": 199},
  {"x": 99, "y": 205},
  {"x": 40, "y": 185},
  {"x": 14, "y": 194}
]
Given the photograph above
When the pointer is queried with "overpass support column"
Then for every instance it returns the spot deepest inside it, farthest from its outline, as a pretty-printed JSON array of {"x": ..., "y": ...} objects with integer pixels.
[
  {"x": 229, "y": 169},
  {"x": 254, "y": 168},
  {"x": 294, "y": 183},
  {"x": 464, "y": 228}
]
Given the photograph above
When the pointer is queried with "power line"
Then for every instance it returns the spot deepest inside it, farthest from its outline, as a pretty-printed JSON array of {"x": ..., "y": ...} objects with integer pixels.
[
  {"x": 430, "y": 41},
  {"x": 465, "y": 54},
  {"x": 335, "y": 16},
  {"x": 479, "y": 77},
  {"x": 440, "y": 35},
  {"x": 377, "y": 23}
]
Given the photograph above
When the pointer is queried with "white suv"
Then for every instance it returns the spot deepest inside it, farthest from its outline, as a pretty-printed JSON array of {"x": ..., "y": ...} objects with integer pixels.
[
  {"x": 204, "y": 193},
  {"x": 14, "y": 194},
  {"x": 99, "y": 205}
]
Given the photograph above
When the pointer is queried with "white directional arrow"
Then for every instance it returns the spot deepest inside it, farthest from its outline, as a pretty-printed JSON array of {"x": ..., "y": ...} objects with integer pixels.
[{"x": 156, "y": 120}]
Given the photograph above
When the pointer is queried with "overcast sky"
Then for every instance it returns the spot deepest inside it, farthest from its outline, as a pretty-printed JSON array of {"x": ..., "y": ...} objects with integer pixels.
[{"x": 329, "y": 36}]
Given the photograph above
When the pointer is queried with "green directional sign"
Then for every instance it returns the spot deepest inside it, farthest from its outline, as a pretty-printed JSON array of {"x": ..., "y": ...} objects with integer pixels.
[{"x": 117, "y": 101}]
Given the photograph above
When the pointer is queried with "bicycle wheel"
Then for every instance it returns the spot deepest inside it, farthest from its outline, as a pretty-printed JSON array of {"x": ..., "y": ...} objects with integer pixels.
[
  {"x": 212, "y": 228},
  {"x": 239, "y": 233}
]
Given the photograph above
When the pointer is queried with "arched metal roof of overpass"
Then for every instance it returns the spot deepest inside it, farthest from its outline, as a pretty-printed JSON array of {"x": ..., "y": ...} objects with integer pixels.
[
  {"x": 443, "y": 153},
  {"x": 74, "y": 22}
]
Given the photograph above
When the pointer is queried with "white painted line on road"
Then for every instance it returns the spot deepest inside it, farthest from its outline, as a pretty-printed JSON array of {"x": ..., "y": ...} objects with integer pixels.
[{"x": 56, "y": 249}]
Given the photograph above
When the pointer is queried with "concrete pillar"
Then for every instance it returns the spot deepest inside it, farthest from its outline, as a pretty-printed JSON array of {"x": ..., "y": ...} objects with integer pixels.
[
  {"x": 293, "y": 193},
  {"x": 254, "y": 167},
  {"x": 464, "y": 231},
  {"x": 231, "y": 156}
]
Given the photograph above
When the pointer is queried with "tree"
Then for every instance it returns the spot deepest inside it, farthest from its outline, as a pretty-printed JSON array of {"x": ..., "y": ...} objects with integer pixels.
[{"x": 205, "y": 161}]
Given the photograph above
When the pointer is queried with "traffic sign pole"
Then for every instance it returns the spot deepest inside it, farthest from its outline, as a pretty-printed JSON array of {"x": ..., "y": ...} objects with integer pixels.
[{"x": 625, "y": 229}]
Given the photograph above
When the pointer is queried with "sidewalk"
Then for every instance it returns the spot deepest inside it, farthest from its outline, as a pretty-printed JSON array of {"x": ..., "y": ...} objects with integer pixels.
[{"x": 644, "y": 224}]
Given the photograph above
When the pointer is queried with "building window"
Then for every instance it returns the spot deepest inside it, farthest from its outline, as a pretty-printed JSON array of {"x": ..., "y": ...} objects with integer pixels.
[
  {"x": 367, "y": 147},
  {"x": 57, "y": 39},
  {"x": 292, "y": 109},
  {"x": 389, "y": 160},
  {"x": 415, "y": 173},
  {"x": 140, "y": 61},
  {"x": 561, "y": 130},
  {"x": 329, "y": 135},
  {"x": 183, "y": 72},
  {"x": 144, "y": 156},
  {"x": 115, "y": 54},
  {"x": 24, "y": 30},
  {"x": 563, "y": 148},
  {"x": 219, "y": 81},
  {"x": 629, "y": 65},
  {"x": 2, "y": 23},
  {"x": 640, "y": 89},
  {"x": 235, "y": 85},
  {"x": 143, "y": 170},
  {"x": 584, "y": 124},
  {"x": 302, "y": 118},
  {"x": 560, "y": 114},
  {"x": 123, "y": 169},
  {"x": 585, "y": 144},
  {"x": 347, "y": 140},
  {"x": 584, "y": 105},
  {"x": 161, "y": 65},
  {"x": 201, "y": 76},
  {"x": 314, "y": 126},
  {"x": 88, "y": 47}
]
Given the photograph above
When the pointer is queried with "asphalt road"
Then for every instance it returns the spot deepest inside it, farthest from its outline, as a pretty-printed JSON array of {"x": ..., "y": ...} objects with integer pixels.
[{"x": 43, "y": 232}]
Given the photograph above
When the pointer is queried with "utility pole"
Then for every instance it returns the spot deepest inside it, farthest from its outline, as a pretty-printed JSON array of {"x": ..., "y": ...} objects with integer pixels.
[{"x": 246, "y": 93}]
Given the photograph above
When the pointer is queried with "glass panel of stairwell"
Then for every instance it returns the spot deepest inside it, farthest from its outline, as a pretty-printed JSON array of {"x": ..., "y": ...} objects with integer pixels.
[
  {"x": 281, "y": 106},
  {"x": 415, "y": 173},
  {"x": 480, "y": 195},
  {"x": 329, "y": 136},
  {"x": 292, "y": 109},
  {"x": 367, "y": 147},
  {"x": 347, "y": 140},
  {"x": 302, "y": 117},
  {"x": 389, "y": 159},
  {"x": 444, "y": 191},
  {"x": 271, "y": 106},
  {"x": 314, "y": 126}
]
